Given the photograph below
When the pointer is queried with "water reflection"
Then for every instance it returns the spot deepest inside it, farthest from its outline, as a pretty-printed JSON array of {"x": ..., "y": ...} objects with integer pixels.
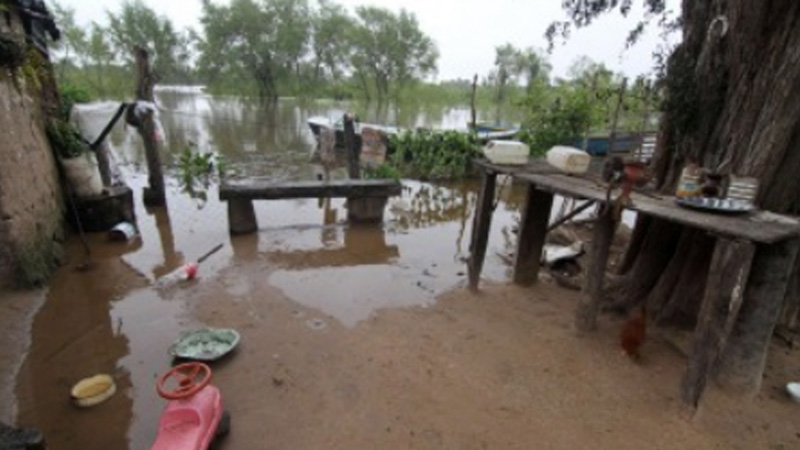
[
  {"x": 171, "y": 258},
  {"x": 74, "y": 336}
]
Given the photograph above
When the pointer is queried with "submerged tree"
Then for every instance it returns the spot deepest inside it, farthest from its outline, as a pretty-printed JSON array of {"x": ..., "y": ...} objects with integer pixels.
[
  {"x": 732, "y": 104},
  {"x": 241, "y": 43},
  {"x": 390, "y": 50}
]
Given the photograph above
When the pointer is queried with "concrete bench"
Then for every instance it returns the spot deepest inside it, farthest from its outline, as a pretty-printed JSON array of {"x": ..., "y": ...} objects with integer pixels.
[{"x": 366, "y": 199}]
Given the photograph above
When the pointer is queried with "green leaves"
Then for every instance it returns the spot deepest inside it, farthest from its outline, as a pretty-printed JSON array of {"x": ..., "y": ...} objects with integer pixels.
[
  {"x": 427, "y": 154},
  {"x": 390, "y": 50}
]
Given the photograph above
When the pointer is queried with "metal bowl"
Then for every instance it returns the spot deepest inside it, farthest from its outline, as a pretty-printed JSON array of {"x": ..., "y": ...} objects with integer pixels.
[{"x": 716, "y": 205}]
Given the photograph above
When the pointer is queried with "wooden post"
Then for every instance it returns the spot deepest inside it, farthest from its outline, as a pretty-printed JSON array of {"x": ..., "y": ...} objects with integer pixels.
[
  {"x": 592, "y": 93},
  {"x": 727, "y": 278},
  {"x": 351, "y": 146},
  {"x": 480, "y": 228},
  {"x": 473, "y": 111},
  {"x": 104, "y": 163},
  {"x": 154, "y": 194},
  {"x": 532, "y": 233},
  {"x": 645, "y": 119},
  {"x": 586, "y": 314},
  {"x": 241, "y": 216},
  {"x": 612, "y": 140},
  {"x": 743, "y": 360}
]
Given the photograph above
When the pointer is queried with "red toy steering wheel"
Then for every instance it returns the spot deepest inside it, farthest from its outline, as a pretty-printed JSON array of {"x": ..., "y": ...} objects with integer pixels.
[{"x": 191, "y": 378}]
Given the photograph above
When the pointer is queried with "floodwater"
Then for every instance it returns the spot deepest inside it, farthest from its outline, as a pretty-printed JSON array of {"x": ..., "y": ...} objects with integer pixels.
[
  {"x": 113, "y": 319},
  {"x": 347, "y": 340}
]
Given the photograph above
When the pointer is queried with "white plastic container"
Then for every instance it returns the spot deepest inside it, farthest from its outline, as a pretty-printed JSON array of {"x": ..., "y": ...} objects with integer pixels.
[
  {"x": 507, "y": 152},
  {"x": 83, "y": 175},
  {"x": 569, "y": 159}
]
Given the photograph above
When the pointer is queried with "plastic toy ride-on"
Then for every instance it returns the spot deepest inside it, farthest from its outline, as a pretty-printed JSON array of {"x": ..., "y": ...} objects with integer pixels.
[{"x": 194, "y": 416}]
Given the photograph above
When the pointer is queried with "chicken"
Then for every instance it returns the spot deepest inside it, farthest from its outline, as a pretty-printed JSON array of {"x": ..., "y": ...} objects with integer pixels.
[{"x": 633, "y": 334}]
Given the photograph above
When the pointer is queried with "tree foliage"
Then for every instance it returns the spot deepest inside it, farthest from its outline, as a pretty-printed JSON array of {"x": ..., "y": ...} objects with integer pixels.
[{"x": 99, "y": 58}]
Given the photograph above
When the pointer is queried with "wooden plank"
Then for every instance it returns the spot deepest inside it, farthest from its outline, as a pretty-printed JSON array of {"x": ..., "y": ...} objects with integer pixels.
[
  {"x": 758, "y": 227},
  {"x": 743, "y": 359},
  {"x": 589, "y": 304},
  {"x": 727, "y": 278},
  {"x": 266, "y": 190},
  {"x": 532, "y": 233},
  {"x": 481, "y": 226}
]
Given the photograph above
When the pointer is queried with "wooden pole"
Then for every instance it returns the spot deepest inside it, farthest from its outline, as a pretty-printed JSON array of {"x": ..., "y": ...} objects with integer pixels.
[
  {"x": 532, "y": 234},
  {"x": 586, "y": 314},
  {"x": 615, "y": 120},
  {"x": 592, "y": 92},
  {"x": 154, "y": 194},
  {"x": 351, "y": 146},
  {"x": 480, "y": 228},
  {"x": 743, "y": 360},
  {"x": 729, "y": 270},
  {"x": 474, "y": 122},
  {"x": 645, "y": 118}
]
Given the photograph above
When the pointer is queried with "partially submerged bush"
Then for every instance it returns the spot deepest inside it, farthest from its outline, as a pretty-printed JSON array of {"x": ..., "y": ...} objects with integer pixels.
[{"x": 430, "y": 154}]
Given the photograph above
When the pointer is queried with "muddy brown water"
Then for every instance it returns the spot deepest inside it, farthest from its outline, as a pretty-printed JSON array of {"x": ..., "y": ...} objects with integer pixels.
[
  {"x": 112, "y": 319},
  {"x": 352, "y": 337}
]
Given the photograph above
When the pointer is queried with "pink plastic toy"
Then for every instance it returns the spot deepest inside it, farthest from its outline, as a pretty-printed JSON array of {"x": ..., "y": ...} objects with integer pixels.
[{"x": 194, "y": 415}]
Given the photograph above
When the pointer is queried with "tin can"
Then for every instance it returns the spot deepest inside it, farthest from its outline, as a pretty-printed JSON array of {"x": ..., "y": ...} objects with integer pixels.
[
  {"x": 689, "y": 183},
  {"x": 122, "y": 232},
  {"x": 743, "y": 188}
]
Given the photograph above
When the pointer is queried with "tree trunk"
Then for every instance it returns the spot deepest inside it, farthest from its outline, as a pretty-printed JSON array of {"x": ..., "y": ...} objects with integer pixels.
[
  {"x": 733, "y": 101},
  {"x": 733, "y": 105}
]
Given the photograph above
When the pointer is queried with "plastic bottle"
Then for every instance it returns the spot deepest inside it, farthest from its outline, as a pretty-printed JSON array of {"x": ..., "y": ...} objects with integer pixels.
[{"x": 183, "y": 273}]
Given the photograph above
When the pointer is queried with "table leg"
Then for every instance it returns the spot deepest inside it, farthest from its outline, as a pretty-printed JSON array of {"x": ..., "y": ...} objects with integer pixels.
[
  {"x": 727, "y": 279},
  {"x": 480, "y": 228},
  {"x": 743, "y": 359},
  {"x": 589, "y": 304},
  {"x": 532, "y": 233},
  {"x": 241, "y": 216}
]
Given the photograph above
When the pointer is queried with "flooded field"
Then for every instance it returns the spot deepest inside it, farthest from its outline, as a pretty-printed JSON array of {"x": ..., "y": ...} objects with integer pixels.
[{"x": 352, "y": 337}]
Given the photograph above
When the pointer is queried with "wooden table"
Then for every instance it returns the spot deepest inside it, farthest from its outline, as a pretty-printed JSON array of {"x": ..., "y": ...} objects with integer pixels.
[{"x": 751, "y": 264}]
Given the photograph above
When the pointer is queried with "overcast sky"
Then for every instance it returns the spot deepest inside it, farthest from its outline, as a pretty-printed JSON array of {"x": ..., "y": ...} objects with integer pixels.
[{"x": 467, "y": 31}]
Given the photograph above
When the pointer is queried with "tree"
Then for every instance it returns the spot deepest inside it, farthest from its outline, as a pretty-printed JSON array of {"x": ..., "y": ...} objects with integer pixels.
[
  {"x": 533, "y": 67},
  {"x": 331, "y": 28},
  {"x": 390, "y": 50},
  {"x": 732, "y": 103},
  {"x": 138, "y": 25},
  {"x": 507, "y": 69},
  {"x": 256, "y": 42},
  {"x": 291, "y": 24},
  {"x": 73, "y": 44}
]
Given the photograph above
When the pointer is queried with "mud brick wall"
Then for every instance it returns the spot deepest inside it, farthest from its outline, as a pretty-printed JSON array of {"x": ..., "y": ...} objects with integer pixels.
[{"x": 31, "y": 206}]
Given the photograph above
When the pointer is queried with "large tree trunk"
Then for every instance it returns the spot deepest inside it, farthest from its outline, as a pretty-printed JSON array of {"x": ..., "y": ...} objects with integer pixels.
[{"x": 733, "y": 104}]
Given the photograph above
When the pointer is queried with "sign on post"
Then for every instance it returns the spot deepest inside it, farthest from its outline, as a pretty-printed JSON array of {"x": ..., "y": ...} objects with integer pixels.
[{"x": 373, "y": 148}]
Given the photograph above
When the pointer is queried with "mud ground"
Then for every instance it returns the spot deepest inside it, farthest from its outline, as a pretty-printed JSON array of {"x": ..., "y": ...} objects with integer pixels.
[{"x": 499, "y": 369}]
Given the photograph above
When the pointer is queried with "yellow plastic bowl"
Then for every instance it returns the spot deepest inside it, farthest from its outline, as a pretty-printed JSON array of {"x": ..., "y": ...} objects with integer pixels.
[{"x": 93, "y": 390}]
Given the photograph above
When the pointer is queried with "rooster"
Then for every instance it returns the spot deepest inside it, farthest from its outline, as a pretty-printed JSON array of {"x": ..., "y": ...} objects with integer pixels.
[{"x": 633, "y": 334}]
